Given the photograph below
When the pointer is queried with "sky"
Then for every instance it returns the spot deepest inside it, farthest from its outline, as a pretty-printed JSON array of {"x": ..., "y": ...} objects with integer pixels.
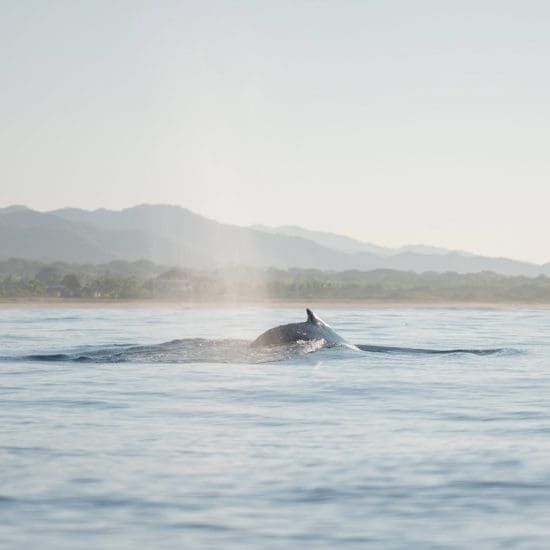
[{"x": 395, "y": 122}]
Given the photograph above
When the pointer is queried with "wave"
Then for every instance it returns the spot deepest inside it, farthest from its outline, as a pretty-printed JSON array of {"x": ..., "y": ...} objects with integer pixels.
[
  {"x": 427, "y": 351},
  {"x": 203, "y": 350},
  {"x": 189, "y": 350}
]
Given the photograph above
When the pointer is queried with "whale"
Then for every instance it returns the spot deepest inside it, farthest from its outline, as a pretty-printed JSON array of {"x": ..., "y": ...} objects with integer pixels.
[{"x": 313, "y": 328}]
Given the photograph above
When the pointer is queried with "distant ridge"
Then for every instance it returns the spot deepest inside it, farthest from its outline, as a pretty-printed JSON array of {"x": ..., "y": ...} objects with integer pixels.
[
  {"x": 13, "y": 208},
  {"x": 348, "y": 244},
  {"x": 172, "y": 235},
  {"x": 330, "y": 240}
]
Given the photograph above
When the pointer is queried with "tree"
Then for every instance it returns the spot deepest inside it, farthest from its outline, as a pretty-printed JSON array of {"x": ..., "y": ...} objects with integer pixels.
[
  {"x": 72, "y": 284},
  {"x": 48, "y": 275}
]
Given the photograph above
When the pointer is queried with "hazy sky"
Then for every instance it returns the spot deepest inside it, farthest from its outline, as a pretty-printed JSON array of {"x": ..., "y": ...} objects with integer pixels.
[{"x": 391, "y": 121}]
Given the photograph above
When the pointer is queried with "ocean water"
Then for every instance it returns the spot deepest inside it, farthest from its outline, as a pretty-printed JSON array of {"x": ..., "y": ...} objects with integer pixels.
[{"x": 160, "y": 428}]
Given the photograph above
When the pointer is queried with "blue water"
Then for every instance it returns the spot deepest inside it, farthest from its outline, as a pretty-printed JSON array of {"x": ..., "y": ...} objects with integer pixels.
[{"x": 159, "y": 428}]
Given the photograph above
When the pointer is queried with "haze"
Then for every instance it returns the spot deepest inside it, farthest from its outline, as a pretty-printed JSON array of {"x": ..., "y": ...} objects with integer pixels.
[{"x": 393, "y": 122}]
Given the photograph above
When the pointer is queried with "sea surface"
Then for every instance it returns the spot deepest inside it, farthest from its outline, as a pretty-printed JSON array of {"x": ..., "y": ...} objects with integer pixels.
[{"x": 161, "y": 428}]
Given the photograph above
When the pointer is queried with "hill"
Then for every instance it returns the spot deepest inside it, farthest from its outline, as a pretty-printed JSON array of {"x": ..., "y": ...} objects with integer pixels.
[{"x": 171, "y": 235}]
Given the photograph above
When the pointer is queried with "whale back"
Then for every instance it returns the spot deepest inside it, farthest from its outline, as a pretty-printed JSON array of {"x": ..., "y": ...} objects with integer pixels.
[{"x": 314, "y": 328}]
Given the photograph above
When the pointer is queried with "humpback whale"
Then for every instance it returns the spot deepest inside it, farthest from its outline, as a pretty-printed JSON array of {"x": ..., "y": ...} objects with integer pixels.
[{"x": 313, "y": 328}]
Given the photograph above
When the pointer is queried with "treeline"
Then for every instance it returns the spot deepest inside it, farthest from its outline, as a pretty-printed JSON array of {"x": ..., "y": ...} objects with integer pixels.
[{"x": 145, "y": 280}]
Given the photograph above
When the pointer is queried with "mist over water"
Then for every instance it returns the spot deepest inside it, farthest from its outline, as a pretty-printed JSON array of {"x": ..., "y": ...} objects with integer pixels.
[{"x": 161, "y": 428}]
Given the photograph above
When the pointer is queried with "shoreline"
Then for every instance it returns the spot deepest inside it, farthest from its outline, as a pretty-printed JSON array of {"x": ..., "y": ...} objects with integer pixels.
[{"x": 257, "y": 304}]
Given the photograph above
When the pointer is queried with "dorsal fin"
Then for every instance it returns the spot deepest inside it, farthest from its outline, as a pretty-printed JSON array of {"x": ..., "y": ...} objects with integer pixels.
[{"x": 312, "y": 318}]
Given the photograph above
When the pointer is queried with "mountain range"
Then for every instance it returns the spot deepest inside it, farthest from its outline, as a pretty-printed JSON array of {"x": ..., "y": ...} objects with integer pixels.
[{"x": 172, "y": 235}]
